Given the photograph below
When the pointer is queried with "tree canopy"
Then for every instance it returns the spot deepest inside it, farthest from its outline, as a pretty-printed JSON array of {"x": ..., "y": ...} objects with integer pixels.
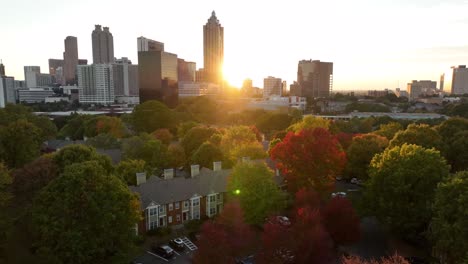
[
  {"x": 310, "y": 122},
  {"x": 389, "y": 130},
  {"x": 127, "y": 170},
  {"x": 85, "y": 216},
  {"x": 195, "y": 137},
  {"x": 422, "y": 135},
  {"x": 152, "y": 115},
  {"x": 72, "y": 154},
  {"x": 360, "y": 153},
  {"x": 206, "y": 154}
]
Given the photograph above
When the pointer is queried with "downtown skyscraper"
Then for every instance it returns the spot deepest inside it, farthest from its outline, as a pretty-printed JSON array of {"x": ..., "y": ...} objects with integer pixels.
[
  {"x": 70, "y": 59},
  {"x": 213, "y": 50},
  {"x": 103, "y": 45}
]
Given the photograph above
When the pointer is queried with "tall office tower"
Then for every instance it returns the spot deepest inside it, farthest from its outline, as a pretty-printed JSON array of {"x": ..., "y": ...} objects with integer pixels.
[
  {"x": 417, "y": 88},
  {"x": 213, "y": 50},
  {"x": 315, "y": 78},
  {"x": 96, "y": 84},
  {"x": 456, "y": 80},
  {"x": 200, "y": 75},
  {"x": 2, "y": 69},
  {"x": 30, "y": 75},
  {"x": 186, "y": 70},
  {"x": 7, "y": 90},
  {"x": 272, "y": 86},
  {"x": 125, "y": 77},
  {"x": 54, "y": 64},
  {"x": 157, "y": 77},
  {"x": 145, "y": 44},
  {"x": 103, "y": 45},
  {"x": 70, "y": 59}
]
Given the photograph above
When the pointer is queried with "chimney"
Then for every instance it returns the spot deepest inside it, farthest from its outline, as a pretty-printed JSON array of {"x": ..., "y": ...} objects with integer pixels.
[
  {"x": 168, "y": 174},
  {"x": 140, "y": 178},
  {"x": 194, "y": 170},
  {"x": 245, "y": 159},
  {"x": 217, "y": 166}
]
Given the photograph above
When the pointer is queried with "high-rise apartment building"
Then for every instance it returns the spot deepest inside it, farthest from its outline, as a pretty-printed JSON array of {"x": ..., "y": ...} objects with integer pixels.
[
  {"x": 30, "y": 75},
  {"x": 186, "y": 70},
  {"x": 70, "y": 60},
  {"x": 145, "y": 44},
  {"x": 272, "y": 86},
  {"x": 96, "y": 84},
  {"x": 2, "y": 69},
  {"x": 416, "y": 89},
  {"x": 103, "y": 45},
  {"x": 157, "y": 77},
  {"x": 213, "y": 50},
  {"x": 7, "y": 90},
  {"x": 456, "y": 80},
  {"x": 125, "y": 77},
  {"x": 314, "y": 79}
]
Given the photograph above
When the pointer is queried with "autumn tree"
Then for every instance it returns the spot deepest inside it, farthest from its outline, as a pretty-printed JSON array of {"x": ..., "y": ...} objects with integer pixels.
[
  {"x": 163, "y": 135},
  {"x": 240, "y": 141},
  {"x": 401, "y": 178},
  {"x": 72, "y": 217},
  {"x": 152, "y": 115},
  {"x": 226, "y": 238},
  {"x": 341, "y": 221},
  {"x": 360, "y": 153},
  {"x": 184, "y": 127},
  {"x": 422, "y": 135},
  {"x": 310, "y": 122},
  {"x": 395, "y": 259},
  {"x": 311, "y": 158},
  {"x": 127, "y": 170},
  {"x": 72, "y": 154},
  {"x": 206, "y": 154},
  {"x": 388, "y": 130},
  {"x": 104, "y": 125},
  {"x": 449, "y": 226},
  {"x": 20, "y": 143},
  {"x": 176, "y": 156},
  {"x": 259, "y": 196}
]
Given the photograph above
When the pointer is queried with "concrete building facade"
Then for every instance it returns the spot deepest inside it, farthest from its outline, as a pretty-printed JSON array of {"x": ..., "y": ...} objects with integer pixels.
[
  {"x": 272, "y": 87},
  {"x": 417, "y": 89},
  {"x": 186, "y": 70},
  {"x": 145, "y": 44},
  {"x": 456, "y": 80},
  {"x": 213, "y": 50},
  {"x": 103, "y": 45},
  {"x": 96, "y": 84},
  {"x": 70, "y": 60},
  {"x": 315, "y": 79},
  {"x": 7, "y": 91}
]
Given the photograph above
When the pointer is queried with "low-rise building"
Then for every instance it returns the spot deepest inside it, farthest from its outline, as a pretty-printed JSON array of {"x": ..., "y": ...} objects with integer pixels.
[
  {"x": 34, "y": 95},
  {"x": 192, "y": 89}
]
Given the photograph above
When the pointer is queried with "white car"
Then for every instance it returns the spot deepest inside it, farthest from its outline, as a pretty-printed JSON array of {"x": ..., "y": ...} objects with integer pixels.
[
  {"x": 354, "y": 181},
  {"x": 339, "y": 194}
]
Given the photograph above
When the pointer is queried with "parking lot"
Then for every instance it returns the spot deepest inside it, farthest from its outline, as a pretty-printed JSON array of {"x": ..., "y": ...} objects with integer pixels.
[{"x": 180, "y": 257}]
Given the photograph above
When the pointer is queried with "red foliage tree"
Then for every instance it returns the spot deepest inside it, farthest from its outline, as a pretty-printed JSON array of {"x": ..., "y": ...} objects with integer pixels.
[
  {"x": 345, "y": 139},
  {"x": 311, "y": 158},
  {"x": 226, "y": 238},
  {"x": 163, "y": 135},
  {"x": 395, "y": 259},
  {"x": 341, "y": 221}
]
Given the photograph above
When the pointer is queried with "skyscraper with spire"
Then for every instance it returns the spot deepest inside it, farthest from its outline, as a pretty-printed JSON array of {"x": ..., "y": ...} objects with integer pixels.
[
  {"x": 213, "y": 50},
  {"x": 103, "y": 45}
]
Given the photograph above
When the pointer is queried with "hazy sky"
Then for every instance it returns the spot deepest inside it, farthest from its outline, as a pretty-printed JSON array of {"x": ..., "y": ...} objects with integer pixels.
[{"x": 374, "y": 44}]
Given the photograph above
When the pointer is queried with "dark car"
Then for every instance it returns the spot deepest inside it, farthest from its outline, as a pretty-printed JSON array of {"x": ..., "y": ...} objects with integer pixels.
[
  {"x": 177, "y": 244},
  {"x": 246, "y": 260},
  {"x": 164, "y": 251}
]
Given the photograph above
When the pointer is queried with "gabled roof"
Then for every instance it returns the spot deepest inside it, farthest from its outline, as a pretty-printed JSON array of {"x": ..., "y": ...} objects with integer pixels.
[{"x": 178, "y": 189}]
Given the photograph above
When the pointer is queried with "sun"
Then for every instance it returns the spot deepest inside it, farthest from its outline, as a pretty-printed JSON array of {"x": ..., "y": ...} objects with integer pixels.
[{"x": 232, "y": 76}]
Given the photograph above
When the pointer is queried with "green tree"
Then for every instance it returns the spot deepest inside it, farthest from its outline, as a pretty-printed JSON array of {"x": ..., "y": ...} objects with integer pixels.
[
  {"x": 457, "y": 151},
  {"x": 402, "y": 185},
  {"x": 195, "y": 137},
  {"x": 422, "y": 135},
  {"x": 47, "y": 127},
  {"x": 241, "y": 141},
  {"x": 450, "y": 127},
  {"x": 176, "y": 156},
  {"x": 72, "y": 154},
  {"x": 184, "y": 127},
  {"x": 449, "y": 226},
  {"x": 309, "y": 122},
  {"x": 5, "y": 197},
  {"x": 103, "y": 141},
  {"x": 85, "y": 216},
  {"x": 270, "y": 122},
  {"x": 143, "y": 147},
  {"x": 388, "y": 130},
  {"x": 360, "y": 153},
  {"x": 206, "y": 154},
  {"x": 127, "y": 170},
  {"x": 75, "y": 127},
  {"x": 132, "y": 146},
  {"x": 152, "y": 115},
  {"x": 20, "y": 143},
  {"x": 259, "y": 196}
]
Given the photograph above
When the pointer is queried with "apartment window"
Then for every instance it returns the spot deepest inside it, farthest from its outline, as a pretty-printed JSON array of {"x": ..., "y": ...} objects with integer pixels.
[
  {"x": 177, "y": 205},
  {"x": 153, "y": 225},
  {"x": 196, "y": 215},
  {"x": 218, "y": 196},
  {"x": 196, "y": 202},
  {"x": 171, "y": 207},
  {"x": 213, "y": 211},
  {"x": 186, "y": 204},
  {"x": 169, "y": 219},
  {"x": 161, "y": 209},
  {"x": 178, "y": 217},
  {"x": 212, "y": 198},
  {"x": 153, "y": 211}
]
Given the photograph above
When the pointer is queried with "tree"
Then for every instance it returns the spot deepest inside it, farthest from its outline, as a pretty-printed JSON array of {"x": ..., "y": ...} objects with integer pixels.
[
  {"x": 389, "y": 130},
  {"x": 195, "y": 137},
  {"x": 103, "y": 141},
  {"x": 184, "y": 127},
  {"x": 240, "y": 141},
  {"x": 449, "y": 228},
  {"x": 360, "y": 153},
  {"x": 422, "y": 135},
  {"x": 311, "y": 158},
  {"x": 127, "y": 170},
  {"x": 5, "y": 197},
  {"x": 20, "y": 143},
  {"x": 258, "y": 194},
  {"x": 206, "y": 154},
  {"x": 341, "y": 221},
  {"x": 271, "y": 122},
  {"x": 75, "y": 127},
  {"x": 145, "y": 147},
  {"x": 152, "y": 115},
  {"x": 450, "y": 127},
  {"x": 33, "y": 177},
  {"x": 72, "y": 154},
  {"x": 176, "y": 156},
  {"x": 457, "y": 151},
  {"x": 395, "y": 259},
  {"x": 132, "y": 146},
  {"x": 104, "y": 124},
  {"x": 401, "y": 178},
  {"x": 163, "y": 135},
  {"x": 310, "y": 122},
  {"x": 224, "y": 239},
  {"x": 73, "y": 216}
]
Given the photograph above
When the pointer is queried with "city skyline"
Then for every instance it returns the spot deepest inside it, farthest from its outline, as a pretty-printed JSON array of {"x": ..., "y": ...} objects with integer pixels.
[{"x": 372, "y": 45}]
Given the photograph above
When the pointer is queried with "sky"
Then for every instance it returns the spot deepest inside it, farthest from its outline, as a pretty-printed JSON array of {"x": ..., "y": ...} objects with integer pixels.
[{"x": 374, "y": 44}]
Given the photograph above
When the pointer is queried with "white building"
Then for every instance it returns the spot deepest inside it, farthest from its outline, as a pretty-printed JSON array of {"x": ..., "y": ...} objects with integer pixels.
[
  {"x": 34, "y": 78},
  {"x": 7, "y": 91},
  {"x": 96, "y": 84},
  {"x": 34, "y": 95},
  {"x": 456, "y": 80},
  {"x": 417, "y": 89},
  {"x": 125, "y": 81},
  {"x": 272, "y": 86},
  {"x": 274, "y": 103},
  {"x": 192, "y": 89}
]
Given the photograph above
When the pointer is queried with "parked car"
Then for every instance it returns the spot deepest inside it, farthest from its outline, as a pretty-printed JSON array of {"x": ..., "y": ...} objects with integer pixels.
[
  {"x": 164, "y": 251},
  {"x": 247, "y": 260},
  {"x": 339, "y": 194},
  {"x": 354, "y": 181},
  {"x": 177, "y": 244},
  {"x": 283, "y": 220}
]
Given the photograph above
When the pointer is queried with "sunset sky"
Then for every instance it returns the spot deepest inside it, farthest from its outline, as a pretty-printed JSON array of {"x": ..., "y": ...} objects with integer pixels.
[{"x": 373, "y": 44}]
